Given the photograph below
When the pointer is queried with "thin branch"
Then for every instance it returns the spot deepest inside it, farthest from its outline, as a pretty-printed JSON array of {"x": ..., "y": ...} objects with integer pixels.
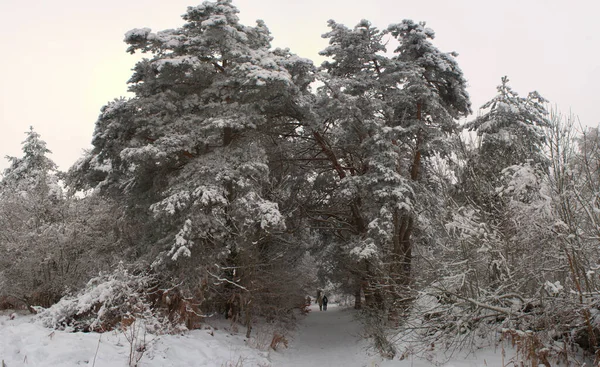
[
  {"x": 228, "y": 281},
  {"x": 503, "y": 310}
]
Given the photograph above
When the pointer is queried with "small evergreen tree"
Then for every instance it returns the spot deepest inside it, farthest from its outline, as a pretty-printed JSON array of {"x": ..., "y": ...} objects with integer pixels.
[
  {"x": 512, "y": 128},
  {"x": 33, "y": 173},
  {"x": 31, "y": 204}
]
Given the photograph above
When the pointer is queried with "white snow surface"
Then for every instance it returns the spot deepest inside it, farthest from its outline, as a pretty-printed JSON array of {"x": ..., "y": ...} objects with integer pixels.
[
  {"x": 323, "y": 338},
  {"x": 26, "y": 343}
]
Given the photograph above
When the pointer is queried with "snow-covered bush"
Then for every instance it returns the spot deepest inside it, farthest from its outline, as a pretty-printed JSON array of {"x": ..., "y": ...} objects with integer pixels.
[{"x": 106, "y": 301}]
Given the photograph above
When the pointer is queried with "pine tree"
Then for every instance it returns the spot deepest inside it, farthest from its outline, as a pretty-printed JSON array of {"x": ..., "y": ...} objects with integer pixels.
[
  {"x": 31, "y": 213},
  {"x": 512, "y": 128},
  {"x": 34, "y": 172},
  {"x": 511, "y": 132},
  {"x": 190, "y": 151},
  {"x": 32, "y": 180},
  {"x": 378, "y": 118}
]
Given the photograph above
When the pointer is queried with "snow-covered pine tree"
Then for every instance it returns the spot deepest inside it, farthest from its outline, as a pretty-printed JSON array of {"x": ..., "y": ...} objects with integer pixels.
[
  {"x": 30, "y": 184},
  {"x": 511, "y": 136},
  {"x": 434, "y": 98},
  {"x": 378, "y": 118},
  {"x": 189, "y": 152},
  {"x": 31, "y": 210},
  {"x": 34, "y": 173},
  {"x": 511, "y": 128}
]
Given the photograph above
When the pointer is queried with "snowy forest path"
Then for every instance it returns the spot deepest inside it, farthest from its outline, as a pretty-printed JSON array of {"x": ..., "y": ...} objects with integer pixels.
[
  {"x": 327, "y": 338},
  {"x": 334, "y": 338}
]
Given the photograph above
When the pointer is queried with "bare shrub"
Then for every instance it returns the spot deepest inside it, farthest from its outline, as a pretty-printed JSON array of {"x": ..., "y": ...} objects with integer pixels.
[
  {"x": 277, "y": 340},
  {"x": 136, "y": 334},
  {"x": 529, "y": 346}
]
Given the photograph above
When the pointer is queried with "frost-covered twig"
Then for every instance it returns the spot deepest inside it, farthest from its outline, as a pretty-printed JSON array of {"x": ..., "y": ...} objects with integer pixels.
[
  {"x": 227, "y": 281},
  {"x": 97, "y": 348},
  {"x": 511, "y": 295},
  {"x": 138, "y": 343}
]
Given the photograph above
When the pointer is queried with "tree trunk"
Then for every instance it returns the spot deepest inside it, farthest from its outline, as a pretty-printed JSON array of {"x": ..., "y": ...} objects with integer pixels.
[
  {"x": 402, "y": 248},
  {"x": 372, "y": 289},
  {"x": 357, "y": 298},
  {"x": 248, "y": 319},
  {"x": 227, "y": 136},
  {"x": 406, "y": 249},
  {"x": 403, "y": 223}
]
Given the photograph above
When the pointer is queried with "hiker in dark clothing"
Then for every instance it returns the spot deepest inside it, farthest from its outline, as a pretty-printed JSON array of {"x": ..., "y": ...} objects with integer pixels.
[{"x": 325, "y": 303}]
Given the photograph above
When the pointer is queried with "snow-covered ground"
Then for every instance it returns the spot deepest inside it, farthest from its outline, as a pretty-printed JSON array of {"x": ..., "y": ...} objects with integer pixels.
[
  {"x": 25, "y": 343},
  {"x": 323, "y": 338}
]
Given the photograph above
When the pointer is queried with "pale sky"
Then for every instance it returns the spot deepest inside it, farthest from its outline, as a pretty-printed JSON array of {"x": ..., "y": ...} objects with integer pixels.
[{"x": 62, "y": 60}]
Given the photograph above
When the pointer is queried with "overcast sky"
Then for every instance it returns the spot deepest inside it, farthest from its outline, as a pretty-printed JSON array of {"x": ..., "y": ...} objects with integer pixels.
[{"x": 62, "y": 60}]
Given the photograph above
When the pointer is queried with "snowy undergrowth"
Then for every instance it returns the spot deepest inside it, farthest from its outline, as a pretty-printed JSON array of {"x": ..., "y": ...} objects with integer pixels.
[
  {"x": 108, "y": 300},
  {"x": 24, "y": 342},
  {"x": 440, "y": 332},
  {"x": 112, "y": 322}
]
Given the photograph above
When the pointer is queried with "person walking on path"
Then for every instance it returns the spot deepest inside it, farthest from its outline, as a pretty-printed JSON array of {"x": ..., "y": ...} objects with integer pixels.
[
  {"x": 319, "y": 299},
  {"x": 325, "y": 300}
]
